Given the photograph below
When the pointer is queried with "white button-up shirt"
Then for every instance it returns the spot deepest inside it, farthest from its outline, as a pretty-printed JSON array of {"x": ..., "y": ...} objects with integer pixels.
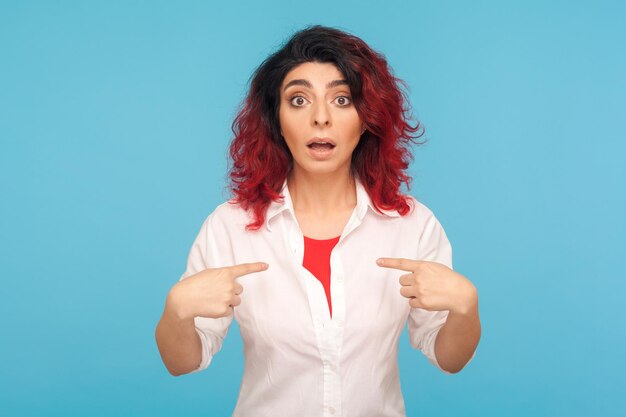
[{"x": 297, "y": 360}]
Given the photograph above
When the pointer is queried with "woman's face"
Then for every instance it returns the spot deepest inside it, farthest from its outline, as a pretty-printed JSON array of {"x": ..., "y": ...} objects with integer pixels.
[{"x": 318, "y": 120}]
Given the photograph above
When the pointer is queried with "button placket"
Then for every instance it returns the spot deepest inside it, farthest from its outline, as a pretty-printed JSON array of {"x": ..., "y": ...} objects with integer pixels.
[{"x": 329, "y": 331}]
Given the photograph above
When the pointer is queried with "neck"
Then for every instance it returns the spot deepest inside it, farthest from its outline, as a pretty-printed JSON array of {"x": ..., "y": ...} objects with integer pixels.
[{"x": 321, "y": 194}]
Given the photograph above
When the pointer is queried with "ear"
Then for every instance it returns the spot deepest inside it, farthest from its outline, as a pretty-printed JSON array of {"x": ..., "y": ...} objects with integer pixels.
[{"x": 363, "y": 129}]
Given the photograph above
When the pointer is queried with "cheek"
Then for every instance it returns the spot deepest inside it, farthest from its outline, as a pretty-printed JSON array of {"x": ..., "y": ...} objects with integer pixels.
[
  {"x": 289, "y": 129},
  {"x": 281, "y": 120},
  {"x": 352, "y": 125},
  {"x": 288, "y": 122}
]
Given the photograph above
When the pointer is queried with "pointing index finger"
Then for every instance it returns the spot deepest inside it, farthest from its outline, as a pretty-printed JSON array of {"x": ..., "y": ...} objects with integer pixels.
[
  {"x": 397, "y": 263},
  {"x": 248, "y": 268}
]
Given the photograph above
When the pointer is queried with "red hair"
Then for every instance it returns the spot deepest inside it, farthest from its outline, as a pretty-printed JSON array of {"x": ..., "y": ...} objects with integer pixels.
[{"x": 261, "y": 160}]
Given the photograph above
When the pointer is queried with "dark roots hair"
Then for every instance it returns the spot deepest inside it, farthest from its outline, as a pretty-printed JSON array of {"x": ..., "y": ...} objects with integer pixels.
[{"x": 261, "y": 160}]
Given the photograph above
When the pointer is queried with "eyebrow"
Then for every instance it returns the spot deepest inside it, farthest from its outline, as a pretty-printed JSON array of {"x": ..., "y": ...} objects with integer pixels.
[{"x": 307, "y": 84}]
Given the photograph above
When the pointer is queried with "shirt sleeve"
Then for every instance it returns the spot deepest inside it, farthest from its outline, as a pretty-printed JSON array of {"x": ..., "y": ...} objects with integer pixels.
[
  {"x": 424, "y": 325},
  {"x": 204, "y": 254}
]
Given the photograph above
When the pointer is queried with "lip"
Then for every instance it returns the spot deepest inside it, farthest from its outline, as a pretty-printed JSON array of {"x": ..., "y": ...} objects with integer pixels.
[
  {"x": 323, "y": 153},
  {"x": 324, "y": 140}
]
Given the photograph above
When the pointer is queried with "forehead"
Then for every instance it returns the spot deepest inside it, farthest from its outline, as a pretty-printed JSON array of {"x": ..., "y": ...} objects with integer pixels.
[{"x": 314, "y": 71}]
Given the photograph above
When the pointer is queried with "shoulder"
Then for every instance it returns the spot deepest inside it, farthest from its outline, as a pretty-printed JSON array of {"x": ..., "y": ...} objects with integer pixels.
[
  {"x": 416, "y": 222},
  {"x": 419, "y": 212},
  {"x": 421, "y": 219},
  {"x": 227, "y": 215}
]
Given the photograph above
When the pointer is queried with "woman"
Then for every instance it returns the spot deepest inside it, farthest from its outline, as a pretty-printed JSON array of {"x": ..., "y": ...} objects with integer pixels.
[{"x": 333, "y": 258}]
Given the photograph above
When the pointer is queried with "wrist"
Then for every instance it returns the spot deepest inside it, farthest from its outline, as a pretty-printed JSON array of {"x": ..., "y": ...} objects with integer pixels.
[
  {"x": 174, "y": 309},
  {"x": 468, "y": 303}
]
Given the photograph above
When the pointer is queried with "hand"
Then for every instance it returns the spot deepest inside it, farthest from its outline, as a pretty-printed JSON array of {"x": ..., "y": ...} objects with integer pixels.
[
  {"x": 210, "y": 293},
  {"x": 433, "y": 286}
]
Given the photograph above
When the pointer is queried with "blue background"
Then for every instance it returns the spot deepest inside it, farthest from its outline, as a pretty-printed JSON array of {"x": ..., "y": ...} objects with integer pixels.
[{"x": 114, "y": 124}]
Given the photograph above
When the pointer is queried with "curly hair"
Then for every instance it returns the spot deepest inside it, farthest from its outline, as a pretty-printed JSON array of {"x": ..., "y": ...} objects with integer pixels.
[{"x": 261, "y": 160}]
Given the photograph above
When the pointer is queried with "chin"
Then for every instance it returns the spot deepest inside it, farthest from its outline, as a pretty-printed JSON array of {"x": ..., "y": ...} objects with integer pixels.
[{"x": 323, "y": 168}]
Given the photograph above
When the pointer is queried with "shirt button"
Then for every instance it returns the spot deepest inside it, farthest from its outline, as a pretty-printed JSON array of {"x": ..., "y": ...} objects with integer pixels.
[{"x": 331, "y": 410}]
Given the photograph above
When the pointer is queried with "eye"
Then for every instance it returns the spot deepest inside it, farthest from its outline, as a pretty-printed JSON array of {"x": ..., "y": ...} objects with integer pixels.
[
  {"x": 343, "y": 101},
  {"x": 297, "y": 101}
]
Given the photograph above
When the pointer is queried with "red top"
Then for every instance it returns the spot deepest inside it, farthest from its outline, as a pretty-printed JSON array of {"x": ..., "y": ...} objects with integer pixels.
[{"x": 317, "y": 261}]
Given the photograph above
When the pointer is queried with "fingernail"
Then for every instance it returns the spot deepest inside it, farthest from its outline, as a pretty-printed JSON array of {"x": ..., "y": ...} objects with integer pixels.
[{"x": 380, "y": 261}]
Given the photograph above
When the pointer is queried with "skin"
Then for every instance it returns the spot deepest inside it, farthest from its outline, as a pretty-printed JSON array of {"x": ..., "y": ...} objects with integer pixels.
[
  {"x": 433, "y": 286},
  {"x": 324, "y": 196},
  {"x": 317, "y": 110},
  {"x": 323, "y": 192},
  {"x": 210, "y": 293}
]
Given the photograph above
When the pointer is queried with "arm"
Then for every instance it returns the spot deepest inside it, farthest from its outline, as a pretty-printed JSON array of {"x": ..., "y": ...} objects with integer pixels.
[
  {"x": 448, "y": 338},
  {"x": 458, "y": 338},
  {"x": 178, "y": 342},
  {"x": 198, "y": 312},
  {"x": 443, "y": 321},
  {"x": 199, "y": 308}
]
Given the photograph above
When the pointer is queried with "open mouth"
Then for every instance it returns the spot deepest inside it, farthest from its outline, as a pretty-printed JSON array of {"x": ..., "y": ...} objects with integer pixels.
[{"x": 321, "y": 146}]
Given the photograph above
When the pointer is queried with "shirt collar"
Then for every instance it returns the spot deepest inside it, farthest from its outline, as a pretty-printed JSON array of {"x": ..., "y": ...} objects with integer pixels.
[
  {"x": 363, "y": 202},
  {"x": 277, "y": 207}
]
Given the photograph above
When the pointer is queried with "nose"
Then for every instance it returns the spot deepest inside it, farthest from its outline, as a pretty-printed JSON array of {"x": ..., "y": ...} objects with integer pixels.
[{"x": 321, "y": 115}]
